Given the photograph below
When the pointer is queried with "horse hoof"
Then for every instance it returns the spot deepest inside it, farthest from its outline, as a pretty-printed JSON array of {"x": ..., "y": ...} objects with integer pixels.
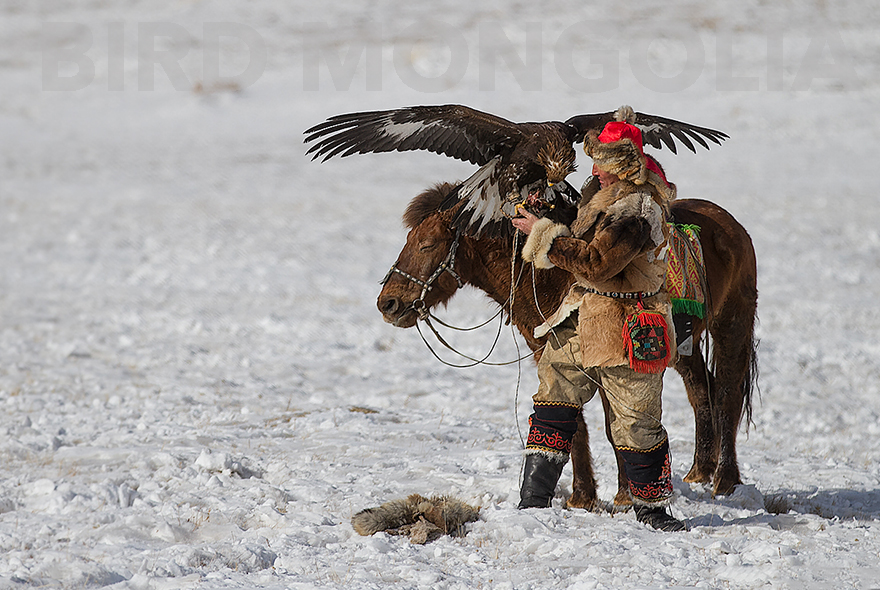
[
  {"x": 582, "y": 501},
  {"x": 696, "y": 475},
  {"x": 622, "y": 501},
  {"x": 725, "y": 488}
]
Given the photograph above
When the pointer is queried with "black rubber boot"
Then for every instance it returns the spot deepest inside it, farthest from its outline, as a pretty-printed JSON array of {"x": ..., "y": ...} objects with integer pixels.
[
  {"x": 540, "y": 475},
  {"x": 657, "y": 517}
]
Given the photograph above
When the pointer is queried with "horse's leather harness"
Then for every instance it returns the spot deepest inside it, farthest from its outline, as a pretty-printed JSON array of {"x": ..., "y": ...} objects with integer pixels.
[{"x": 448, "y": 265}]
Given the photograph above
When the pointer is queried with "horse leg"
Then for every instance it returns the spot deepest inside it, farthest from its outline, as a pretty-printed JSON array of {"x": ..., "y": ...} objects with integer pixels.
[
  {"x": 622, "y": 499},
  {"x": 700, "y": 384},
  {"x": 735, "y": 374},
  {"x": 583, "y": 483}
]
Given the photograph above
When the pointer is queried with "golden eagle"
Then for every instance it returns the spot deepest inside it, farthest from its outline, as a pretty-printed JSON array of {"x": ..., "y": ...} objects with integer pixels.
[{"x": 516, "y": 159}]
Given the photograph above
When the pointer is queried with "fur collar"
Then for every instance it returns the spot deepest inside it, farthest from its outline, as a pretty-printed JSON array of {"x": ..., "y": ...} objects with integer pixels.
[{"x": 624, "y": 199}]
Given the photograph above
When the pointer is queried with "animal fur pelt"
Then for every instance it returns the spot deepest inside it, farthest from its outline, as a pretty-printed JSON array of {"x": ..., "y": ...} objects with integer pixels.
[{"x": 421, "y": 519}]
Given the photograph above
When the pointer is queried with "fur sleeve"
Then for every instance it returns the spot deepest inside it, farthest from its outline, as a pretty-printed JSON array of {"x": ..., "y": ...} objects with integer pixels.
[
  {"x": 607, "y": 254},
  {"x": 540, "y": 241}
]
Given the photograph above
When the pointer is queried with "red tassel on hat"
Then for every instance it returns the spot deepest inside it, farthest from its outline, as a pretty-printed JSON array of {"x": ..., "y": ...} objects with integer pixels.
[{"x": 653, "y": 167}]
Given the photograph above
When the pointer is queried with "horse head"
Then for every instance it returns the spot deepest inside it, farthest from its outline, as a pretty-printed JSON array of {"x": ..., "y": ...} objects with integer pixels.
[{"x": 425, "y": 273}]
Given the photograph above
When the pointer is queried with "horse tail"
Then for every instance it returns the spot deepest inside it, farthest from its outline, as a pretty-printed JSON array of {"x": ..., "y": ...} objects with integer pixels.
[{"x": 750, "y": 380}]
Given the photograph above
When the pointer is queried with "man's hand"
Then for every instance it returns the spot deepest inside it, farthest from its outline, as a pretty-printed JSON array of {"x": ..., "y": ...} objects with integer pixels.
[{"x": 525, "y": 222}]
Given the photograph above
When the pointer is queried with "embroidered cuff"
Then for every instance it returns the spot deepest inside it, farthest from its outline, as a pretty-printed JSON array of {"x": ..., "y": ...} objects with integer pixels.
[
  {"x": 540, "y": 240},
  {"x": 552, "y": 428},
  {"x": 649, "y": 474}
]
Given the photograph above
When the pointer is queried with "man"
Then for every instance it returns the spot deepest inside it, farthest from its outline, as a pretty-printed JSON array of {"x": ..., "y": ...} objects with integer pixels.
[{"x": 613, "y": 330}]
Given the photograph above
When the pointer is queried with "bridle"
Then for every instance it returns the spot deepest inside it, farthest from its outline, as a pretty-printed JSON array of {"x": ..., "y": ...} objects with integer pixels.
[
  {"x": 425, "y": 315},
  {"x": 447, "y": 265}
]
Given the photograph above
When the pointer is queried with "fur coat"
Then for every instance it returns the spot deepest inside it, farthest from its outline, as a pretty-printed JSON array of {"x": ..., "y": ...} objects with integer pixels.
[{"x": 618, "y": 243}]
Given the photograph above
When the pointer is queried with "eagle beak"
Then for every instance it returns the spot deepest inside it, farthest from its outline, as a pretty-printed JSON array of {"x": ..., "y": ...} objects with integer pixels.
[{"x": 550, "y": 183}]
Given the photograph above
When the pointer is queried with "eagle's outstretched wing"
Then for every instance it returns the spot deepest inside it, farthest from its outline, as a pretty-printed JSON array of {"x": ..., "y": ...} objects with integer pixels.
[
  {"x": 500, "y": 147},
  {"x": 481, "y": 212},
  {"x": 656, "y": 131},
  {"x": 454, "y": 130},
  {"x": 482, "y": 209}
]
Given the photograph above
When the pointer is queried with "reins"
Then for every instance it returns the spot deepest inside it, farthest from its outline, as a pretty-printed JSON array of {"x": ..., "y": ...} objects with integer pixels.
[{"x": 425, "y": 315}]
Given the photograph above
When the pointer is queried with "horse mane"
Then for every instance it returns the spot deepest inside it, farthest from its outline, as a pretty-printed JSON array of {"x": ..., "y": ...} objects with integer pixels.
[{"x": 426, "y": 203}]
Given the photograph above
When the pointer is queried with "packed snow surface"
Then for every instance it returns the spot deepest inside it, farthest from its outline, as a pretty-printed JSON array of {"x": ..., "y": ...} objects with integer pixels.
[{"x": 199, "y": 391}]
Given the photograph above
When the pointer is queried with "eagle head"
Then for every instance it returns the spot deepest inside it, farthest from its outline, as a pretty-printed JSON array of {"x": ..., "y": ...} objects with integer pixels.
[{"x": 558, "y": 159}]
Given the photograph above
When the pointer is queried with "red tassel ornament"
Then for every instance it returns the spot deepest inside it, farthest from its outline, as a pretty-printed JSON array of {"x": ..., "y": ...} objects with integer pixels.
[{"x": 646, "y": 338}]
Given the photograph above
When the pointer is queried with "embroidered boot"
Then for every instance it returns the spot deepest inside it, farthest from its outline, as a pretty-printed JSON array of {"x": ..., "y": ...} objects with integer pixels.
[
  {"x": 649, "y": 474},
  {"x": 650, "y": 485},
  {"x": 551, "y": 430}
]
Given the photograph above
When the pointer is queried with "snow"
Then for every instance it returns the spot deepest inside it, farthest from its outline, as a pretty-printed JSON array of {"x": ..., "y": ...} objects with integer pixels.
[{"x": 199, "y": 391}]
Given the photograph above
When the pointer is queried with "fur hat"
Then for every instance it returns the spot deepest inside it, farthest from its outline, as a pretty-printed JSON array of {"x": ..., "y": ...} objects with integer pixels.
[
  {"x": 421, "y": 519},
  {"x": 619, "y": 149}
]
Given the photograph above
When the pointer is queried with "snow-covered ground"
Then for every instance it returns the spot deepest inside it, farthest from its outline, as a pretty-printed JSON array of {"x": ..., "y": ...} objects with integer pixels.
[{"x": 199, "y": 392}]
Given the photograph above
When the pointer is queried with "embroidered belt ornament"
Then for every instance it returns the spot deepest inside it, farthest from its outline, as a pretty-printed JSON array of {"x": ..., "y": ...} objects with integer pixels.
[
  {"x": 623, "y": 294},
  {"x": 646, "y": 340}
]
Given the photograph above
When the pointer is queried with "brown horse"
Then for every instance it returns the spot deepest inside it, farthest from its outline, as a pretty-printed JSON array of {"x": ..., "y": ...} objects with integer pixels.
[{"x": 437, "y": 260}]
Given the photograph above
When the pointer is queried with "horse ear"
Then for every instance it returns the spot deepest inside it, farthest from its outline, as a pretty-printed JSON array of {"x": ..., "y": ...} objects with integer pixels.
[{"x": 428, "y": 202}]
